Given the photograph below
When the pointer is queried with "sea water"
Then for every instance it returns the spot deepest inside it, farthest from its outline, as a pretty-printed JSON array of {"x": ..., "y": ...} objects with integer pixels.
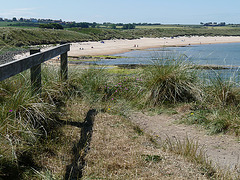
[
  {"x": 227, "y": 54},
  {"x": 213, "y": 54}
]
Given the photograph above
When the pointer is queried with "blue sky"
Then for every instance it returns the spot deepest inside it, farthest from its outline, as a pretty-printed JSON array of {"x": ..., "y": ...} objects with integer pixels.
[{"x": 126, "y": 11}]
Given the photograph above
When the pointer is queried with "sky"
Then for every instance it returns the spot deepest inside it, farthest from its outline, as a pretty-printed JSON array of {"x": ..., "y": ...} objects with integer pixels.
[{"x": 125, "y": 11}]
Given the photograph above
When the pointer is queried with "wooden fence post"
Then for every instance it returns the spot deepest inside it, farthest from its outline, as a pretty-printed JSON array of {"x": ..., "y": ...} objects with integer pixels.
[
  {"x": 36, "y": 75},
  {"x": 64, "y": 66}
]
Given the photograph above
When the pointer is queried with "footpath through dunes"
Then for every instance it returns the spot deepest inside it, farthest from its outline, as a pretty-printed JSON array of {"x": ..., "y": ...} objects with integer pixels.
[
  {"x": 119, "y": 150},
  {"x": 222, "y": 150}
]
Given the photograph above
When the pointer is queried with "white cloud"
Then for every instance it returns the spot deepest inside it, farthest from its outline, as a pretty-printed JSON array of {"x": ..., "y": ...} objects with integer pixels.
[{"x": 19, "y": 12}]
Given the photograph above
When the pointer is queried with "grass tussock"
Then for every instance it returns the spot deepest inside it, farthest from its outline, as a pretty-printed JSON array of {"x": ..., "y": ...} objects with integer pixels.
[
  {"x": 224, "y": 92},
  {"x": 171, "y": 81},
  {"x": 219, "y": 110}
]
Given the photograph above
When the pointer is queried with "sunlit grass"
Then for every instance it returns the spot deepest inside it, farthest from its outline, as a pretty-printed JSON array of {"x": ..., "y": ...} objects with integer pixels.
[
  {"x": 171, "y": 80},
  {"x": 25, "y": 119}
]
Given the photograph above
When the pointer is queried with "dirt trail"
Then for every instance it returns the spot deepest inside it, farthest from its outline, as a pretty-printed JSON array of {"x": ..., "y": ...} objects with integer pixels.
[{"x": 224, "y": 150}]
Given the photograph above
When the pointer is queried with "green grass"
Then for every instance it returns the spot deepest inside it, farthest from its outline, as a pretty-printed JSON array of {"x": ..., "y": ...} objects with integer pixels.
[
  {"x": 17, "y": 36},
  {"x": 159, "y": 27},
  {"x": 105, "y": 34},
  {"x": 224, "y": 91},
  {"x": 170, "y": 81},
  {"x": 219, "y": 110},
  {"x": 26, "y": 37},
  {"x": 28, "y": 121},
  {"x": 121, "y": 71},
  {"x": 4, "y": 24},
  {"x": 184, "y": 27},
  {"x": 93, "y": 58}
]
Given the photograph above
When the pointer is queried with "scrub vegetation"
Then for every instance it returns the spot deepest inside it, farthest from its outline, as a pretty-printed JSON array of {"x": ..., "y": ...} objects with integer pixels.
[
  {"x": 40, "y": 134},
  {"x": 17, "y": 36},
  {"x": 26, "y": 37}
]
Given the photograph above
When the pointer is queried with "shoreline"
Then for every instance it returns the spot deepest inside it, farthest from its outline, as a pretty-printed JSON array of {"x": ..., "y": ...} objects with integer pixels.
[
  {"x": 118, "y": 46},
  {"x": 110, "y": 47}
]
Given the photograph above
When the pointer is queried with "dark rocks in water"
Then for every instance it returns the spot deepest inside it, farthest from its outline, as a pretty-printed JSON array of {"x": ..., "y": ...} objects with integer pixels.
[{"x": 131, "y": 66}]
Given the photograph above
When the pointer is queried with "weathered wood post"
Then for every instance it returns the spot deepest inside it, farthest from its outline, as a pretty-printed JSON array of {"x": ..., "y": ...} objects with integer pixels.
[
  {"x": 64, "y": 66},
  {"x": 36, "y": 75}
]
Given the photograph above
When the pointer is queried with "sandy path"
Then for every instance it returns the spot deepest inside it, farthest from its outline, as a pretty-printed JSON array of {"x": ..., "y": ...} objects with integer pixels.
[{"x": 223, "y": 150}]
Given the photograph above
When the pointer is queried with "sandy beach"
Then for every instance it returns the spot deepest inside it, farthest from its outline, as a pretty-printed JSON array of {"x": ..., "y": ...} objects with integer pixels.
[{"x": 108, "y": 47}]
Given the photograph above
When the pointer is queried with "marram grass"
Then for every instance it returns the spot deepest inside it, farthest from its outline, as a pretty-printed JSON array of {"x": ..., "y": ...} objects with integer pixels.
[
  {"x": 25, "y": 118},
  {"x": 170, "y": 81}
]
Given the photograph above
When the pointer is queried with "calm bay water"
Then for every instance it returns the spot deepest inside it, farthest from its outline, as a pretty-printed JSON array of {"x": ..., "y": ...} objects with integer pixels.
[{"x": 212, "y": 54}]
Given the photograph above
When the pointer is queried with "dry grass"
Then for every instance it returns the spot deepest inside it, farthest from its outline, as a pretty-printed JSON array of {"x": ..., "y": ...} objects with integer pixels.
[
  {"x": 119, "y": 151},
  {"x": 56, "y": 152}
]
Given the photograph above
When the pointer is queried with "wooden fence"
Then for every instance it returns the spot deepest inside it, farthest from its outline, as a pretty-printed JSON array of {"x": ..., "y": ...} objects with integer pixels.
[{"x": 33, "y": 62}]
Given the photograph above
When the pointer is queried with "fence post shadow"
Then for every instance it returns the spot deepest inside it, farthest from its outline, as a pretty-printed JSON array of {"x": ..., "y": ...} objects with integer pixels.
[{"x": 80, "y": 150}]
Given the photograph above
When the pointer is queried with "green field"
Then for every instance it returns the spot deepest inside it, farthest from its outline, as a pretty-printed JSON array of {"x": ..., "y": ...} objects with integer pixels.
[
  {"x": 159, "y": 26},
  {"x": 5, "y": 24},
  {"x": 15, "y": 24}
]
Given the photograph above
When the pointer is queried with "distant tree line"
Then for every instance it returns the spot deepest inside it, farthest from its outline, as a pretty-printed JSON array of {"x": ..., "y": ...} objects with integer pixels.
[
  {"x": 33, "y": 20},
  {"x": 80, "y": 25},
  {"x": 213, "y": 24},
  {"x": 140, "y": 24},
  {"x": 26, "y": 24},
  {"x": 147, "y": 24},
  {"x": 51, "y": 26},
  {"x": 128, "y": 26},
  {"x": 97, "y": 25},
  {"x": 49, "y": 23},
  {"x": 59, "y": 24}
]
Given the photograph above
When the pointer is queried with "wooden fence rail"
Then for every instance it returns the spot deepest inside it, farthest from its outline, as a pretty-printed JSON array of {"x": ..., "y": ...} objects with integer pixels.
[{"x": 34, "y": 62}]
